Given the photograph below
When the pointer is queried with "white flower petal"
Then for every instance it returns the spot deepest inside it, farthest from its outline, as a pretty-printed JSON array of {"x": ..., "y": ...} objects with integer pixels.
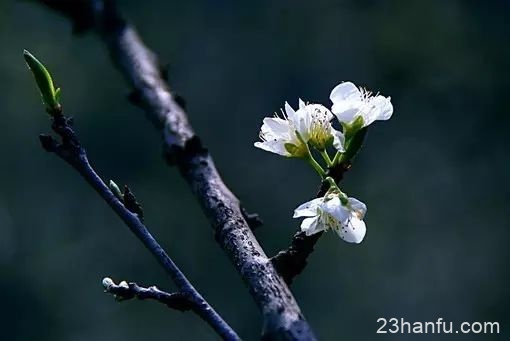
[
  {"x": 385, "y": 108},
  {"x": 338, "y": 140},
  {"x": 345, "y": 112},
  {"x": 311, "y": 226},
  {"x": 353, "y": 231},
  {"x": 345, "y": 91},
  {"x": 377, "y": 108},
  {"x": 358, "y": 207},
  {"x": 273, "y": 146},
  {"x": 335, "y": 208},
  {"x": 291, "y": 113},
  {"x": 318, "y": 111},
  {"x": 276, "y": 125},
  {"x": 301, "y": 103},
  {"x": 308, "y": 209},
  {"x": 329, "y": 213},
  {"x": 302, "y": 123},
  {"x": 349, "y": 102}
]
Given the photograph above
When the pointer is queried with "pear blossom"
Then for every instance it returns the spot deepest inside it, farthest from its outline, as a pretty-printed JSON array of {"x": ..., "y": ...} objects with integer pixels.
[
  {"x": 280, "y": 134},
  {"x": 351, "y": 102},
  {"x": 321, "y": 132},
  {"x": 344, "y": 215},
  {"x": 288, "y": 135}
]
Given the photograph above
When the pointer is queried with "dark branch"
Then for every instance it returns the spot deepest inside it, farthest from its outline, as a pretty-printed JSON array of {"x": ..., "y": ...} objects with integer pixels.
[
  {"x": 282, "y": 316},
  {"x": 129, "y": 201},
  {"x": 126, "y": 291},
  {"x": 71, "y": 151},
  {"x": 292, "y": 261}
]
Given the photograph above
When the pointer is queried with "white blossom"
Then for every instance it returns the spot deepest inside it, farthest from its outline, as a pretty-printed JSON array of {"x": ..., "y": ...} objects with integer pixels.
[
  {"x": 279, "y": 134},
  {"x": 351, "y": 102},
  {"x": 288, "y": 134},
  {"x": 321, "y": 133},
  {"x": 342, "y": 215}
]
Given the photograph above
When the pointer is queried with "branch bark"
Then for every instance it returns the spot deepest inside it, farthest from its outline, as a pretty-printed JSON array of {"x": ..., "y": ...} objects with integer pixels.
[
  {"x": 282, "y": 317},
  {"x": 71, "y": 151}
]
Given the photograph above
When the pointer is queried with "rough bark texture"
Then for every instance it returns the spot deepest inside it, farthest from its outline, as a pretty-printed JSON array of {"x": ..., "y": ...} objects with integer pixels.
[
  {"x": 282, "y": 318},
  {"x": 292, "y": 261}
]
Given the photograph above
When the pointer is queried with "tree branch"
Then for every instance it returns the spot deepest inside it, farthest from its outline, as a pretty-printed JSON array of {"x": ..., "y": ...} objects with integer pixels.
[
  {"x": 71, "y": 151},
  {"x": 292, "y": 261},
  {"x": 282, "y": 318},
  {"x": 126, "y": 291}
]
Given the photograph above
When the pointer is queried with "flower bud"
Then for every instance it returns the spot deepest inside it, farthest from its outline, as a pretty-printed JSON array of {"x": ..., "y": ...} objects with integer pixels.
[{"x": 49, "y": 94}]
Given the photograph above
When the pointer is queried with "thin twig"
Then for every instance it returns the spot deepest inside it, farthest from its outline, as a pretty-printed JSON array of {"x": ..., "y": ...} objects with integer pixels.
[
  {"x": 71, "y": 151},
  {"x": 126, "y": 291},
  {"x": 281, "y": 314}
]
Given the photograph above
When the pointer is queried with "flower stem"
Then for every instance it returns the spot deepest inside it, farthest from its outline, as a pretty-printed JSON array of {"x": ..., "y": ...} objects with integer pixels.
[
  {"x": 337, "y": 158},
  {"x": 332, "y": 182},
  {"x": 318, "y": 168},
  {"x": 326, "y": 157},
  {"x": 333, "y": 186}
]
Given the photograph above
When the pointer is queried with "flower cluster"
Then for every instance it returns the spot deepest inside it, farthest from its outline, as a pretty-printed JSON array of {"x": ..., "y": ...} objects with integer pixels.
[{"x": 308, "y": 130}]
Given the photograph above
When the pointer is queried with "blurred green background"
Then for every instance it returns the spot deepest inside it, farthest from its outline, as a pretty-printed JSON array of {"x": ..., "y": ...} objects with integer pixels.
[{"x": 435, "y": 177}]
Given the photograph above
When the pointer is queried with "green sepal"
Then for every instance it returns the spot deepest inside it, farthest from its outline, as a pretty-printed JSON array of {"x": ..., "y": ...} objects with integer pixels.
[
  {"x": 343, "y": 200},
  {"x": 291, "y": 148},
  {"x": 300, "y": 151},
  {"x": 350, "y": 129},
  {"x": 57, "y": 95},
  {"x": 50, "y": 96},
  {"x": 354, "y": 144}
]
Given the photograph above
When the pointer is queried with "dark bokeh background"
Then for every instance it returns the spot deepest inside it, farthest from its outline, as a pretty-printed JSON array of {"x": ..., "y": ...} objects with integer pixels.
[{"x": 435, "y": 177}]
